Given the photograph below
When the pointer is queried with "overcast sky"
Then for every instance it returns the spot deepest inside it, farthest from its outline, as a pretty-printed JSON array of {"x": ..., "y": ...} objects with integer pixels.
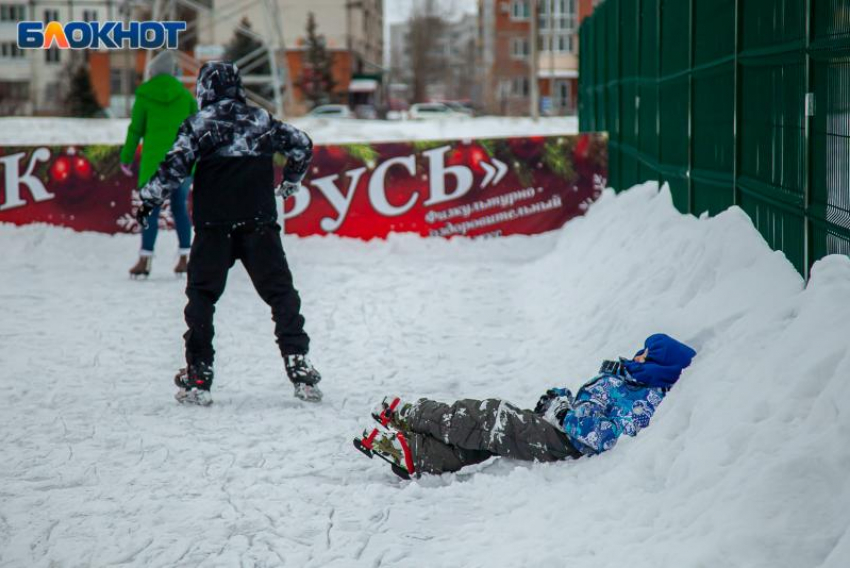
[{"x": 399, "y": 10}]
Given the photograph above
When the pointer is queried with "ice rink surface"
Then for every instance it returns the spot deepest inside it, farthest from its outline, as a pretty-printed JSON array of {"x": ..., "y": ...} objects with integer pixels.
[{"x": 745, "y": 464}]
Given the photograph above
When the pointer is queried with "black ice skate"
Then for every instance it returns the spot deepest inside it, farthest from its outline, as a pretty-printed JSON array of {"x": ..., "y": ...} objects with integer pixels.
[
  {"x": 194, "y": 384},
  {"x": 392, "y": 447},
  {"x": 304, "y": 376}
]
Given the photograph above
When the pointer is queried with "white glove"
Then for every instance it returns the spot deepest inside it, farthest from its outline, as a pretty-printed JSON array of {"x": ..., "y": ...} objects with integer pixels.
[{"x": 286, "y": 188}]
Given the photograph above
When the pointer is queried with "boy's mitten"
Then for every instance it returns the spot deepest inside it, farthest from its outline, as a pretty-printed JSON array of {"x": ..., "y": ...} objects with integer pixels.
[
  {"x": 554, "y": 405},
  {"x": 143, "y": 212},
  {"x": 287, "y": 188},
  {"x": 545, "y": 400}
]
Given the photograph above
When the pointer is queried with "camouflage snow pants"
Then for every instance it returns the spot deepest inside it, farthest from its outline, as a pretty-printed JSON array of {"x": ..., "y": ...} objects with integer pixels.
[{"x": 445, "y": 437}]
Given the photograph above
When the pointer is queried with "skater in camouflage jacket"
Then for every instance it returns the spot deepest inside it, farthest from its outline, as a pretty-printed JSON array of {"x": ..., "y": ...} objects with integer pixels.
[
  {"x": 231, "y": 146},
  {"x": 433, "y": 437}
]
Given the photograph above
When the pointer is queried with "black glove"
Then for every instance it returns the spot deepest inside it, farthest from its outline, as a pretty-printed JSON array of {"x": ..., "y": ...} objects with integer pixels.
[
  {"x": 287, "y": 188},
  {"x": 143, "y": 212}
]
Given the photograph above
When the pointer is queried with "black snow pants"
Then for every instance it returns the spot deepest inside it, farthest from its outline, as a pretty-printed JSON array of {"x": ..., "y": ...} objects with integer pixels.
[
  {"x": 446, "y": 437},
  {"x": 258, "y": 246}
]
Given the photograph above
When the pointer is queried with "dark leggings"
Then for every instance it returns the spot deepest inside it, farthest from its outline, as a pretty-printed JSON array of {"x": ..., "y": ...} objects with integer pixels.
[{"x": 259, "y": 248}]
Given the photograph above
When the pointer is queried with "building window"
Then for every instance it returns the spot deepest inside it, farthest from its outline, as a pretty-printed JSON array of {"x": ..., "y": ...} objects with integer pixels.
[
  {"x": 520, "y": 10},
  {"x": 12, "y": 12},
  {"x": 51, "y": 16},
  {"x": 560, "y": 43},
  {"x": 52, "y": 91},
  {"x": 519, "y": 86},
  {"x": 10, "y": 50},
  {"x": 115, "y": 83},
  {"x": 117, "y": 76},
  {"x": 558, "y": 23},
  {"x": 14, "y": 90},
  {"x": 89, "y": 15},
  {"x": 504, "y": 88},
  {"x": 563, "y": 97},
  {"x": 520, "y": 48},
  {"x": 52, "y": 55}
]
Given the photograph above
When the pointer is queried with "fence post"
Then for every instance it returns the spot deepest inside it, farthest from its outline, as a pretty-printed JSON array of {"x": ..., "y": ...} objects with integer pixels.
[
  {"x": 658, "y": 74},
  {"x": 736, "y": 109},
  {"x": 691, "y": 49},
  {"x": 807, "y": 146},
  {"x": 638, "y": 78},
  {"x": 618, "y": 104}
]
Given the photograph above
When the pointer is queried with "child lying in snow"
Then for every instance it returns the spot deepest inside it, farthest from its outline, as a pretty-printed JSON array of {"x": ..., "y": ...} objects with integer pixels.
[{"x": 433, "y": 437}]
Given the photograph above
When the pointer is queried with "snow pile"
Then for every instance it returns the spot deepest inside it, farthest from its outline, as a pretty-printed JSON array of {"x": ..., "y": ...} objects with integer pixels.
[
  {"x": 31, "y": 131},
  {"x": 745, "y": 463}
]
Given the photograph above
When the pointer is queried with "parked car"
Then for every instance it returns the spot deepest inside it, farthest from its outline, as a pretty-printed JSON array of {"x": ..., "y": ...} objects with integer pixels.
[
  {"x": 426, "y": 111},
  {"x": 331, "y": 111},
  {"x": 459, "y": 107},
  {"x": 367, "y": 112}
]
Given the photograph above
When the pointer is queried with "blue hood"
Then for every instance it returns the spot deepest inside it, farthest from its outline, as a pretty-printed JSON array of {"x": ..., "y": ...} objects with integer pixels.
[{"x": 667, "y": 357}]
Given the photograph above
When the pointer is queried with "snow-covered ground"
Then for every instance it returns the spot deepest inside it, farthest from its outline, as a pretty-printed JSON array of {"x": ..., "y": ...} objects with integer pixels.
[
  {"x": 30, "y": 131},
  {"x": 745, "y": 465}
]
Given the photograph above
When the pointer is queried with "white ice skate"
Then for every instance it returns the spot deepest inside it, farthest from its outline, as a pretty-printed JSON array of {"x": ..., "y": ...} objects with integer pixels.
[
  {"x": 194, "y": 396},
  {"x": 308, "y": 393}
]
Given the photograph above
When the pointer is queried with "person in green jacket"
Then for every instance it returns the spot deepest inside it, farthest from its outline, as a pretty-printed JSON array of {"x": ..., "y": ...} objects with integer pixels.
[{"x": 162, "y": 104}]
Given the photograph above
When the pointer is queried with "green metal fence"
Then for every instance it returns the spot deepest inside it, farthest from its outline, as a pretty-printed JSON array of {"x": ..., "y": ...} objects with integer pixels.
[{"x": 731, "y": 102}]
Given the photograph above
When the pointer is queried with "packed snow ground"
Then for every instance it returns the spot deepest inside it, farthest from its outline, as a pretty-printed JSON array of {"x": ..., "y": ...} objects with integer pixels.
[
  {"x": 745, "y": 464},
  {"x": 32, "y": 131}
]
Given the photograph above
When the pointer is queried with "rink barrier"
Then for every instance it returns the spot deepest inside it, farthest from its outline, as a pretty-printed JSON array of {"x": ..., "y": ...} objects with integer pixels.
[
  {"x": 440, "y": 188},
  {"x": 731, "y": 103}
]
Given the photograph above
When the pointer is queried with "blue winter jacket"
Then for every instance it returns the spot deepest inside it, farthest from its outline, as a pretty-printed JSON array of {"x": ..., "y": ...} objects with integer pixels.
[
  {"x": 623, "y": 397},
  {"x": 606, "y": 407}
]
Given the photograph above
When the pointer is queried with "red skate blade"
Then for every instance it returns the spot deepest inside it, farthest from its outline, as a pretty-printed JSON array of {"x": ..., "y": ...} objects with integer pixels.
[{"x": 408, "y": 457}]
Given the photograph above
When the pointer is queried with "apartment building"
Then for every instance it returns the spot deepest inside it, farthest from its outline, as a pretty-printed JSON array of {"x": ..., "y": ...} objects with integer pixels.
[
  {"x": 353, "y": 31},
  {"x": 505, "y": 28},
  {"x": 30, "y": 80}
]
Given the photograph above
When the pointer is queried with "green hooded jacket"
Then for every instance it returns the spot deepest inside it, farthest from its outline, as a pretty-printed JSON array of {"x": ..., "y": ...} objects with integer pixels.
[{"x": 162, "y": 104}]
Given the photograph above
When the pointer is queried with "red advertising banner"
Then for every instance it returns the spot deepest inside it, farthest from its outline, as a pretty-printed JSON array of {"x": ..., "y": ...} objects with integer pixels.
[{"x": 481, "y": 187}]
